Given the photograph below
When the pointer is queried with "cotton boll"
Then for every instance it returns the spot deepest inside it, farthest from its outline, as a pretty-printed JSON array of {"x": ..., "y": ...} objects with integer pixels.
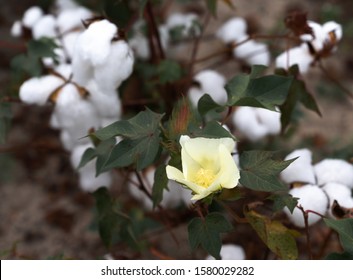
[
  {"x": 49, "y": 62},
  {"x": 246, "y": 121},
  {"x": 212, "y": 83},
  {"x": 82, "y": 69},
  {"x": 233, "y": 30},
  {"x": 334, "y": 171},
  {"x": 31, "y": 16},
  {"x": 139, "y": 44},
  {"x": 230, "y": 252},
  {"x": 62, "y": 5},
  {"x": 271, "y": 119},
  {"x": 333, "y": 32},
  {"x": 338, "y": 192},
  {"x": 186, "y": 20},
  {"x": 117, "y": 68},
  {"x": 300, "y": 170},
  {"x": 45, "y": 27},
  {"x": 69, "y": 42},
  {"x": 311, "y": 197},
  {"x": 298, "y": 55},
  {"x": 164, "y": 36},
  {"x": 70, "y": 19},
  {"x": 37, "y": 90},
  {"x": 317, "y": 39},
  {"x": 66, "y": 140},
  {"x": 54, "y": 122},
  {"x": 253, "y": 53},
  {"x": 65, "y": 70},
  {"x": 77, "y": 154},
  {"x": 16, "y": 29}
]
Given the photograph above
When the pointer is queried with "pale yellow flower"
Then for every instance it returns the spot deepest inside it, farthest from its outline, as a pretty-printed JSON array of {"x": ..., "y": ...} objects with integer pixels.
[{"x": 207, "y": 164}]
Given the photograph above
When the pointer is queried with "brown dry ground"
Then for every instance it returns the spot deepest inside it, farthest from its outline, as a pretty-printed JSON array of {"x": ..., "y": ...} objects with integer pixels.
[{"x": 44, "y": 214}]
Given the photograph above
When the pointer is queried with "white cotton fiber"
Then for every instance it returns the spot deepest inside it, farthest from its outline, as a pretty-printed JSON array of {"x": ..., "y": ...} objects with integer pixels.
[
  {"x": 298, "y": 55},
  {"x": 67, "y": 141},
  {"x": 311, "y": 197},
  {"x": 31, "y": 16},
  {"x": 232, "y": 30},
  {"x": 65, "y": 70},
  {"x": 69, "y": 42},
  {"x": 186, "y": 20},
  {"x": 212, "y": 83},
  {"x": 37, "y": 90},
  {"x": 332, "y": 26},
  {"x": 139, "y": 44},
  {"x": 71, "y": 19},
  {"x": 230, "y": 252},
  {"x": 271, "y": 119},
  {"x": 338, "y": 192},
  {"x": 62, "y": 5},
  {"x": 16, "y": 29},
  {"x": 318, "y": 38},
  {"x": 252, "y": 52},
  {"x": 300, "y": 170},
  {"x": 54, "y": 122},
  {"x": 334, "y": 171},
  {"x": 45, "y": 27}
]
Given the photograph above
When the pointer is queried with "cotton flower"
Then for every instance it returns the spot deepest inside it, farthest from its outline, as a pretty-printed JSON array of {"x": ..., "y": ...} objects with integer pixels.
[
  {"x": 230, "y": 252},
  {"x": 232, "y": 30},
  {"x": 300, "y": 170},
  {"x": 256, "y": 123},
  {"x": 311, "y": 197},
  {"x": 341, "y": 193},
  {"x": 334, "y": 171},
  {"x": 210, "y": 82},
  {"x": 207, "y": 166}
]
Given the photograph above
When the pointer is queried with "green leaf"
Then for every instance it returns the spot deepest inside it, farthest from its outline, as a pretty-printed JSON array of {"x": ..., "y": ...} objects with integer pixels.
[
  {"x": 344, "y": 228},
  {"x": 212, "y": 129},
  {"x": 264, "y": 92},
  {"x": 87, "y": 156},
  {"x": 206, "y": 232},
  {"x": 44, "y": 47},
  {"x": 159, "y": 185},
  {"x": 212, "y": 6},
  {"x": 257, "y": 71},
  {"x": 24, "y": 64},
  {"x": 281, "y": 200},
  {"x": 206, "y": 104},
  {"x": 169, "y": 71},
  {"x": 279, "y": 239},
  {"x": 259, "y": 171},
  {"x": 339, "y": 256}
]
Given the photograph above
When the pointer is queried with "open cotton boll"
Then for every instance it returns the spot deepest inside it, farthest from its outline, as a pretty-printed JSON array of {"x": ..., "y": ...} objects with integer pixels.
[
  {"x": 230, "y": 252},
  {"x": 16, "y": 29},
  {"x": 232, "y": 30},
  {"x": 187, "y": 21},
  {"x": 139, "y": 44},
  {"x": 31, "y": 16},
  {"x": 117, "y": 68},
  {"x": 300, "y": 170},
  {"x": 54, "y": 122},
  {"x": 45, "y": 27},
  {"x": 252, "y": 52},
  {"x": 64, "y": 69},
  {"x": 37, "y": 90},
  {"x": 338, "y": 192},
  {"x": 82, "y": 70},
  {"x": 311, "y": 197},
  {"x": 70, "y": 19},
  {"x": 298, "y": 55},
  {"x": 334, "y": 171},
  {"x": 49, "y": 62},
  {"x": 66, "y": 140},
  {"x": 317, "y": 40},
  {"x": 271, "y": 119},
  {"x": 62, "y": 5},
  {"x": 246, "y": 121},
  {"x": 210, "y": 82},
  {"x": 69, "y": 42},
  {"x": 332, "y": 26}
]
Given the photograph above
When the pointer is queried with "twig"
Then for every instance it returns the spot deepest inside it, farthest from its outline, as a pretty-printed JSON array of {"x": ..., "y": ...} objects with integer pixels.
[
  {"x": 233, "y": 214},
  {"x": 308, "y": 241}
]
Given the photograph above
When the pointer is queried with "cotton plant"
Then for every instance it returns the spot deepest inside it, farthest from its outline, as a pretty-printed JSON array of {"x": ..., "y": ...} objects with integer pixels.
[
  {"x": 230, "y": 252},
  {"x": 234, "y": 32}
]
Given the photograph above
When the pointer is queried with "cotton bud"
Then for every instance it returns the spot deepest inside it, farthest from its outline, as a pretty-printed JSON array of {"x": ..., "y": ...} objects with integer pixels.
[
  {"x": 16, "y": 29},
  {"x": 233, "y": 30},
  {"x": 210, "y": 82},
  {"x": 334, "y": 171},
  {"x": 37, "y": 90},
  {"x": 230, "y": 252},
  {"x": 311, "y": 197},
  {"x": 89, "y": 182},
  {"x": 300, "y": 170},
  {"x": 298, "y": 55},
  {"x": 45, "y": 27},
  {"x": 32, "y": 16},
  {"x": 341, "y": 193},
  {"x": 252, "y": 52},
  {"x": 71, "y": 19}
]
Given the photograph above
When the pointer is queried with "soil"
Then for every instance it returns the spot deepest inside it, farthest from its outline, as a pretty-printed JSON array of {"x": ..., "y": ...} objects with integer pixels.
[{"x": 44, "y": 214}]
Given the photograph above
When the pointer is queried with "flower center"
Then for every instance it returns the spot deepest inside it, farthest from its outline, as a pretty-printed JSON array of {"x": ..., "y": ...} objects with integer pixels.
[{"x": 204, "y": 177}]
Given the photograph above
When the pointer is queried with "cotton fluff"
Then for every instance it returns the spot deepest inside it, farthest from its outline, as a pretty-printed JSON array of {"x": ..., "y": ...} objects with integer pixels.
[
  {"x": 230, "y": 252},
  {"x": 16, "y": 29},
  {"x": 69, "y": 42},
  {"x": 187, "y": 21},
  {"x": 232, "y": 30},
  {"x": 60, "y": 58},
  {"x": 210, "y": 82},
  {"x": 62, "y": 5},
  {"x": 65, "y": 70},
  {"x": 54, "y": 122},
  {"x": 45, "y": 27},
  {"x": 334, "y": 171},
  {"x": 138, "y": 42},
  {"x": 338, "y": 192},
  {"x": 300, "y": 170},
  {"x": 87, "y": 174},
  {"x": 75, "y": 114},
  {"x": 67, "y": 141},
  {"x": 71, "y": 19},
  {"x": 255, "y": 123},
  {"x": 31, "y": 16},
  {"x": 37, "y": 90},
  {"x": 311, "y": 197},
  {"x": 252, "y": 52},
  {"x": 298, "y": 55}
]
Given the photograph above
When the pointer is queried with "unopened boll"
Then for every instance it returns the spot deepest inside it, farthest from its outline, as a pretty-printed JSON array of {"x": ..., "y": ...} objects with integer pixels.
[
  {"x": 311, "y": 197},
  {"x": 230, "y": 252},
  {"x": 334, "y": 171},
  {"x": 300, "y": 170},
  {"x": 341, "y": 193}
]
